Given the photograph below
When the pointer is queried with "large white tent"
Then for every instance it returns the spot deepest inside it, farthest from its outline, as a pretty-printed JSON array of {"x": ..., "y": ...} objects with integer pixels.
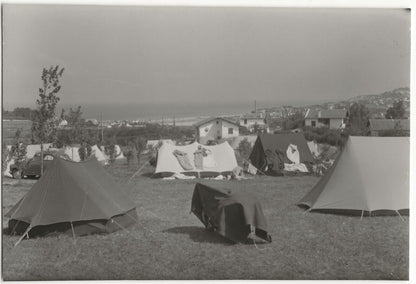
[
  {"x": 372, "y": 173},
  {"x": 220, "y": 159}
]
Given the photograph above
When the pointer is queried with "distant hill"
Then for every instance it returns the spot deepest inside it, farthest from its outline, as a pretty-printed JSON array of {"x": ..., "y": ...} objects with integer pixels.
[{"x": 385, "y": 99}]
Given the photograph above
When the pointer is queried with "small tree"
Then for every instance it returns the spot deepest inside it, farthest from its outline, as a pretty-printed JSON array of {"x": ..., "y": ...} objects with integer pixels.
[
  {"x": 4, "y": 157},
  {"x": 244, "y": 148},
  {"x": 18, "y": 151},
  {"x": 84, "y": 151},
  {"x": 110, "y": 149},
  {"x": 358, "y": 119},
  {"x": 44, "y": 123},
  {"x": 294, "y": 121},
  {"x": 130, "y": 153},
  {"x": 396, "y": 111},
  {"x": 139, "y": 145}
]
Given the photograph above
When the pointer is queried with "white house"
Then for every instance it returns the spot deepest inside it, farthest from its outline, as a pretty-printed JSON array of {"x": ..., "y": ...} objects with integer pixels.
[
  {"x": 215, "y": 128},
  {"x": 250, "y": 121},
  {"x": 329, "y": 118}
]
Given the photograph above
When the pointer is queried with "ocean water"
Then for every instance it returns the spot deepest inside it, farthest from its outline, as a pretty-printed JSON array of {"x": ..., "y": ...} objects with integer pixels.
[{"x": 154, "y": 111}]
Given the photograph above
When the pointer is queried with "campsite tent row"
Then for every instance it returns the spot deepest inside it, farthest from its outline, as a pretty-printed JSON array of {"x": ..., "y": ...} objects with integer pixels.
[
  {"x": 71, "y": 152},
  {"x": 82, "y": 198}
]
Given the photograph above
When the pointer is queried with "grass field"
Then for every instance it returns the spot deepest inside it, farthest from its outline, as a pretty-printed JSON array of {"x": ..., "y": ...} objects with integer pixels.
[
  {"x": 170, "y": 243},
  {"x": 9, "y": 128}
]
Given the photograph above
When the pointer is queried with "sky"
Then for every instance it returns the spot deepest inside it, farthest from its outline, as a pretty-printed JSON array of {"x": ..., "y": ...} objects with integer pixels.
[{"x": 168, "y": 55}]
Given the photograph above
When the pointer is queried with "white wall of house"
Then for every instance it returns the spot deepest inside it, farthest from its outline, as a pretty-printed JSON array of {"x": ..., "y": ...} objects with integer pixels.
[
  {"x": 334, "y": 123},
  {"x": 229, "y": 130},
  {"x": 250, "y": 122},
  {"x": 217, "y": 129}
]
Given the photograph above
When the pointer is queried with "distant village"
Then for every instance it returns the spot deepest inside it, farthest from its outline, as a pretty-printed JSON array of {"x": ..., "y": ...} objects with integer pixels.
[
  {"x": 332, "y": 116},
  {"x": 271, "y": 119}
]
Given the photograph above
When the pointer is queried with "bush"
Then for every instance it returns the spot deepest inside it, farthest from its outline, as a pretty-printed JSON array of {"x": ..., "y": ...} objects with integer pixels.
[
  {"x": 334, "y": 137},
  {"x": 244, "y": 148},
  {"x": 84, "y": 152}
]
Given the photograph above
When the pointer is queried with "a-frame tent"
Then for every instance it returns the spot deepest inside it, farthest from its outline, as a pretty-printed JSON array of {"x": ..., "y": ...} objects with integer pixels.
[
  {"x": 278, "y": 142},
  {"x": 77, "y": 198},
  {"x": 371, "y": 174}
]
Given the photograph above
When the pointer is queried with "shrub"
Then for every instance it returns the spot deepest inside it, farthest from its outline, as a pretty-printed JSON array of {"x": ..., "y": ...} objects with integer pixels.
[
  {"x": 244, "y": 148},
  {"x": 84, "y": 151},
  {"x": 334, "y": 137},
  {"x": 18, "y": 151}
]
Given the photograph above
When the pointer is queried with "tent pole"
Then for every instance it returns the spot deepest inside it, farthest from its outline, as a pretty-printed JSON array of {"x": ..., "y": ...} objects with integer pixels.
[
  {"x": 138, "y": 171},
  {"x": 362, "y": 213},
  {"x": 112, "y": 220},
  {"x": 73, "y": 233},
  {"x": 399, "y": 215},
  {"x": 24, "y": 234}
]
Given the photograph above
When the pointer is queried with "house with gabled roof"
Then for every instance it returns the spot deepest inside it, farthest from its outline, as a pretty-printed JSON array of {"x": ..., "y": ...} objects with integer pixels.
[
  {"x": 251, "y": 121},
  {"x": 329, "y": 118},
  {"x": 378, "y": 126},
  {"x": 216, "y": 128}
]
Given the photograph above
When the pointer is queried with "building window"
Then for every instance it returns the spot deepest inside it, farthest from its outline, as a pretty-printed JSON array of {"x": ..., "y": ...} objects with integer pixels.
[
  {"x": 218, "y": 122},
  {"x": 245, "y": 121},
  {"x": 313, "y": 123},
  {"x": 230, "y": 130}
]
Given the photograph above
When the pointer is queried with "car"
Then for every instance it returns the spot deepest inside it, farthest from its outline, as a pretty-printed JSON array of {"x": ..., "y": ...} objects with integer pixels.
[{"x": 32, "y": 167}]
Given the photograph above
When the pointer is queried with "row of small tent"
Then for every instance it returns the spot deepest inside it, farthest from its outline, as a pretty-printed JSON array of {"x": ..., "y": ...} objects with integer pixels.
[
  {"x": 371, "y": 174},
  {"x": 72, "y": 152},
  {"x": 222, "y": 156}
]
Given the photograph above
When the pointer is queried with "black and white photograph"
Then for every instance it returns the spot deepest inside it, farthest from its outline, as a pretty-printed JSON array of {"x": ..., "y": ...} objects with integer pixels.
[{"x": 205, "y": 142}]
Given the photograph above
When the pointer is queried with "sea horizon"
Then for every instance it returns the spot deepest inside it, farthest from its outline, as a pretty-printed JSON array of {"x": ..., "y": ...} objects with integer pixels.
[{"x": 152, "y": 111}]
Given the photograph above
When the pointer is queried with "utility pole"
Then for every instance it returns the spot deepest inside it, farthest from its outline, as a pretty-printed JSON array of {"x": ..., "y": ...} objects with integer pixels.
[
  {"x": 174, "y": 122},
  {"x": 255, "y": 106}
]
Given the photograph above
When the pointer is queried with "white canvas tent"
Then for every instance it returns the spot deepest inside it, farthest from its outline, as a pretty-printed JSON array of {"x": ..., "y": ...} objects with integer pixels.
[
  {"x": 119, "y": 153},
  {"x": 97, "y": 153},
  {"x": 221, "y": 160},
  {"x": 372, "y": 173},
  {"x": 314, "y": 147},
  {"x": 72, "y": 152}
]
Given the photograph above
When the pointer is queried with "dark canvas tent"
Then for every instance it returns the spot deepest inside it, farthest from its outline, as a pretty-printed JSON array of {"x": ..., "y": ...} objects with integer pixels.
[
  {"x": 371, "y": 174},
  {"x": 268, "y": 144},
  {"x": 79, "y": 198},
  {"x": 234, "y": 216}
]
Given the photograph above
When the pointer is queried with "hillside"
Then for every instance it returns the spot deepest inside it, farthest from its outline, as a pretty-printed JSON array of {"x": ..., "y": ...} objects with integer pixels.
[
  {"x": 377, "y": 104},
  {"x": 385, "y": 99}
]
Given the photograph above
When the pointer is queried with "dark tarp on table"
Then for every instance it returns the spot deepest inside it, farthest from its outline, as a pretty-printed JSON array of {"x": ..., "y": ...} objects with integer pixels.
[{"x": 232, "y": 215}]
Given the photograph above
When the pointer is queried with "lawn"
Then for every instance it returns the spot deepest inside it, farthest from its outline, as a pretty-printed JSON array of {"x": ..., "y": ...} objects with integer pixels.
[
  {"x": 9, "y": 128},
  {"x": 170, "y": 243}
]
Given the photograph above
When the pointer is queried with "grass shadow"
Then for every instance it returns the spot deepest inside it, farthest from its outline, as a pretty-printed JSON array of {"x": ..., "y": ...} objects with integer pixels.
[
  {"x": 200, "y": 235},
  {"x": 148, "y": 174}
]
